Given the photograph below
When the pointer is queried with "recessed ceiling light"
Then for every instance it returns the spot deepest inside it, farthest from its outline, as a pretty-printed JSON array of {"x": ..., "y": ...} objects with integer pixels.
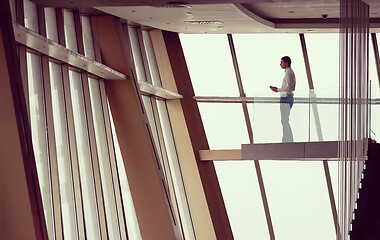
[
  {"x": 204, "y": 22},
  {"x": 175, "y": 4}
]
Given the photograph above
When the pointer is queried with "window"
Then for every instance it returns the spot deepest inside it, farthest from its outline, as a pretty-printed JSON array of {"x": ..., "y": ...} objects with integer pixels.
[
  {"x": 296, "y": 191},
  {"x": 161, "y": 130},
  {"x": 39, "y": 138},
  {"x": 64, "y": 161}
]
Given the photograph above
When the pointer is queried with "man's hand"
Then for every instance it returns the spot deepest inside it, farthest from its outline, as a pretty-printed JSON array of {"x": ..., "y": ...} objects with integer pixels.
[{"x": 274, "y": 89}]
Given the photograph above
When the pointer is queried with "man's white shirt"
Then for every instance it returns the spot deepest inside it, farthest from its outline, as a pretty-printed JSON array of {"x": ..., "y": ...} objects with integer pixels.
[{"x": 288, "y": 83}]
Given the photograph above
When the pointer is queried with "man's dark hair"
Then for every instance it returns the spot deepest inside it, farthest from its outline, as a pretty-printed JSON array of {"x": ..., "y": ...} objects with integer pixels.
[{"x": 287, "y": 60}]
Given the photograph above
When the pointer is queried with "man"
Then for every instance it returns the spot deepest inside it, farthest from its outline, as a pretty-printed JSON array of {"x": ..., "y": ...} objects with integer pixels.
[{"x": 286, "y": 101}]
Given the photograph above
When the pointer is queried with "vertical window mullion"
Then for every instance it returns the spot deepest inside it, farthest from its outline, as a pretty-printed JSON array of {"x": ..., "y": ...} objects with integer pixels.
[
  {"x": 60, "y": 26},
  {"x": 51, "y": 24},
  {"x": 39, "y": 136},
  {"x": 52, "y": 150},
  {"x": 85, "y": 157},
  {"x": 143, "y": 54},
  {"x": 70, "y": 33},
  {"x": 78, "y": 193},
  {"x": 137, "y": 56},
  {"x": 107, "y": 227},
  {"x": 104, "y": 160},
  {"x": 151, "y": 59},
  {"x": 56, "y": 197},
  {"x": 64, "y": 160},
  {"x": 94, "y": 156},
  {"x": 88, "y": 43},
  {"x": 94, "y": 212}
]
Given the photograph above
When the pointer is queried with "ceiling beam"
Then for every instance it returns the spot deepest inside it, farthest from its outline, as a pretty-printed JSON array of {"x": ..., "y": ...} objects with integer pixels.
[{"x": 251, "y": 13}]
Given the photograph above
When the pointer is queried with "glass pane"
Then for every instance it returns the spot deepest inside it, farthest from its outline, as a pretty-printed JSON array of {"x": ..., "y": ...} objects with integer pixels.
[
  {"x": 374, "y": 124},
  {"x": 328, "y": 116},
  {"x": 51, "y": 24},
  {"x": 84, "y": 157},
  {"x": 324, "y": 64},
  {"x": 373, "y": 77},
  {"x": 242, "y": 198},
  {"x": 104, "y": 160},
  {"x": 30, "y": 15},
  {"x": 175, "y": 170},
  {"x": 70, "y": 34},
  {"x": 209, "y": 61},
  {"x": 224, "y": 125},
  {"x": 129, "y": 209},
  {"x": 87, "y": 38},
  {"x": 298, "y": 200},
  {"x": 259, "y": 57},
  {"x": 39, "y": 137},
  {"x": 137, "y": 57},
  {"x": 151, "y": 59},
  {"x": 63, "y": 154},
  {"x": 267, "y": 125},
  {"x": 166, "y": 154}
]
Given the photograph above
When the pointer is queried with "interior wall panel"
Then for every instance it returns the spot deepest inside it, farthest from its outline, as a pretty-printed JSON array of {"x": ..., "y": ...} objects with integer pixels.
[{"x": 20, "y": 199}]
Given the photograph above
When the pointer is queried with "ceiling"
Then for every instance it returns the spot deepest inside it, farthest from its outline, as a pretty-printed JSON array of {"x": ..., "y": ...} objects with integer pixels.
[{"x": 226, "y": 16}]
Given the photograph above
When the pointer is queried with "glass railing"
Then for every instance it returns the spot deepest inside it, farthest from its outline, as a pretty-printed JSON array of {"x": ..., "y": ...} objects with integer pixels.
[{"x": 311, "y": 119}]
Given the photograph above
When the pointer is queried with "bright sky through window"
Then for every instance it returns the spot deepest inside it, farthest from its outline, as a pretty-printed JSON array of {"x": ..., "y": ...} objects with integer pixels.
[{"x": 297, "y": 191}]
